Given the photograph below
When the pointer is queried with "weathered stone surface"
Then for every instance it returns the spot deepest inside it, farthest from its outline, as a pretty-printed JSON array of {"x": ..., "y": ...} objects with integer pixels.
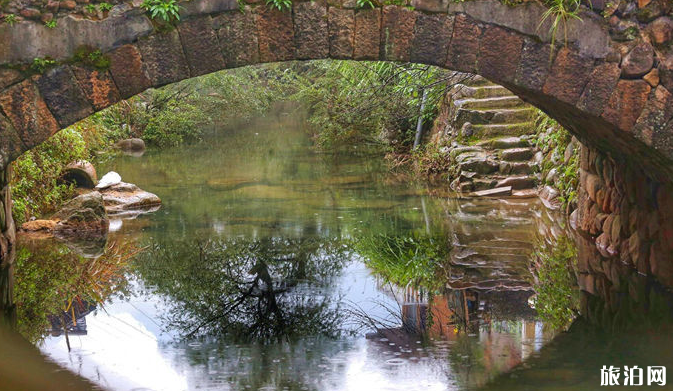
[
  {"x": 11, "y": 146},
  {"x": 84, "y": 215},
  {"x": 98, "y": 86},
  {"x": 652, "y": 78},
  {"x": 658, "y": 110},
  {"x": 237, "y": 34},
  {"x": 28, "y": 113},
  {"x": 30, "y": 13},
  {"x": 638, "y": 61},
  {"x": 310, "y": 30},
  {"x": 431, "y": 5},
  {"x": 397, "y": 31},
  {"x": 598, "y": 90},
  {"x": 9, "y": 77},
  {"x": 341, "y": 33},
  {"x": 626, "y": 103},
  {"x": 568, "y": 77},
  {"x": 126, "y": 68},
  {"x": 63, "y": 96},
  {"x": 535, "y": 65},
  {"x": 275, "y": 34},
  {"x": 367, "y": 34},
  {"x": 464, "y": 45},
  {"x": 207, "y": 7},
  {"x": 661, "y": 31},
  {"x": 432, "y": 35},
  {"x": 499, "y": 54},
  {"x": 124, "y": 197},
  {"x": 163, "y": 59},
  {"x": 200, "y": 46}
]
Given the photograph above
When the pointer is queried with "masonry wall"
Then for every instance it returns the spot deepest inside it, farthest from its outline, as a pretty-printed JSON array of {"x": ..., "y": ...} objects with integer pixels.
[
  {"x": 7, "y": 232},
  {"x": 624, "y": 221}
]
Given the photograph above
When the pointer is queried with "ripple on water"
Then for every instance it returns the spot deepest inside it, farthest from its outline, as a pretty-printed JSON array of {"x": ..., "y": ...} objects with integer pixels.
[{"x": 395, "y": 361}]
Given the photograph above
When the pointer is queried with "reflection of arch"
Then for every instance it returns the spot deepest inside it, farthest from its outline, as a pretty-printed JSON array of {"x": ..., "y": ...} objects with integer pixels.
[{"x": 581, "y": 87}]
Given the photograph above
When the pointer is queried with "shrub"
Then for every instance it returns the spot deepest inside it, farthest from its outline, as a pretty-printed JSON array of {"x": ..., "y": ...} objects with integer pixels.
[
  {"x": 280, "y": 4},
  {"x": 40, "y": 65},
  {"x": 51, "y": 24},
  {"x": 104, "y": 6},
  {"x": 166, "y": 10},
  {"x": 10, "y": 19}
]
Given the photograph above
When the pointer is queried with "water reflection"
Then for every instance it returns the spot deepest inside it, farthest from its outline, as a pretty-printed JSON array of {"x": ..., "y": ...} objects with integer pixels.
[{"x": 257, "y": 290}]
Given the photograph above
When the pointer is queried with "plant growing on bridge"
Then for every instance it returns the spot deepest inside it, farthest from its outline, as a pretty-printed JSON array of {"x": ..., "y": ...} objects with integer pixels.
[
  {"x": 91, "y": 8},
  {"x": 10, "y": 19},
  {"x": 166, "y": 10},
  {"x": 280, "y": 4},
  {"x": 365, "y": 4},
  {"x": 51, "y": 24},
  {"x": 40, "y": 65},
  {"x": 560, "y": 12},
  {"x": 104, "y": 6}
]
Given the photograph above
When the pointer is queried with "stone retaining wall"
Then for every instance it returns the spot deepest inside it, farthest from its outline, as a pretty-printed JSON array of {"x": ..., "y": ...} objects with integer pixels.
[
  {"x": 7, "y": 231},
  {"x": 625, "y": 222}
]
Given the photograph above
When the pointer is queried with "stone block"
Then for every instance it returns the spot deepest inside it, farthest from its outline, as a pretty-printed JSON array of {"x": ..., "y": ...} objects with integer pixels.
[
  {"x": 63, "y": 95},
  {"x": 98, "y": 86},
  {"x": 9, "y": 77},
  {"x": 237, "y": 35},
  {"x": 431, "y": 5},
  {"x": 341, "y": 33},
  {"x": 126, "y": 68},
  {"x": 499, "y": 54},
  {"x": 397, "y": 31},
  {"x": 568, "y": 77},
  {"x": 432, "y": 35},
  {"x": 464, "y": 46},
  {"x": 310, "y": 31},
  {"x": 598, "y": 90},
  {"x": 626, "y": 103},
  {"x": 367, "y": 34},
  {"x": 638, "y": 61},
  {"x": 200, "y": 46},
  {"x": 657, "y": 111},
  {"x": 11, "y": 146},
  {"x": 534, "y": 66},
  {"x": 275, "y": 33},
  {"x": 28, "y": 113},
  {"x": 163, "y": 59}
]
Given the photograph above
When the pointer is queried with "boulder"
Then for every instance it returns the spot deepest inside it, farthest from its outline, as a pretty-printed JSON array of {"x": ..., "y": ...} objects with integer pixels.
[
  {"x": 131, "y": 145},
  {"x": 84, "y": 215},
  {"x": 127, "y": 198},
  {"x": 81, "y": 173}
]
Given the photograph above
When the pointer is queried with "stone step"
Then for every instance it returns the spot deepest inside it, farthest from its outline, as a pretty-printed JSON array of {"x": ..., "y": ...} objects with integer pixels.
[
  {"x": 489, "y": 91},
  {"x": 494, "y": 130},
  {"x": 461, "y": 252},
  {"x": 494, "y": 246},
  {"x": 501, "y": 102},
  {"x": 504, "y": 143},
  {"x": 516, "y": 168},
  {"x": 517, "y": 154},
  {"x": 492, "y": 116},
  {"x": 518, "y": 182}
]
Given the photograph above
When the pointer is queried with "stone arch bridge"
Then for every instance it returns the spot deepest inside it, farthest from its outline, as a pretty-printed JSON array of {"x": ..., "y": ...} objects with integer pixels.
[{"x": 610, "y": 84}]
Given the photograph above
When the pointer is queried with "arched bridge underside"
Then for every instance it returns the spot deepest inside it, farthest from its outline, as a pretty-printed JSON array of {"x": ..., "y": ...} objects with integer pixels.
[
  {"x": 613, "y": 94},
  {"x": 593, "y": 86}
]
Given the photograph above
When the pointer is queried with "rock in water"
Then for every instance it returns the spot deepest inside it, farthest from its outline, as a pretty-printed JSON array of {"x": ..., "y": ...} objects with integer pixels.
[
  {"x": 131, "y": 145},
  {"x": 127, "y": 198},
  {"x": 109, "y": 179},
  {"x": 82, "y": 216},
  {"x": 81, "y": 173}
]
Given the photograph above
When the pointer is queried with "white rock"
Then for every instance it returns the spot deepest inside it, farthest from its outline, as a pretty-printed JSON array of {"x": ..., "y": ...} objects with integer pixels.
[{"x": 109, "y": 179}]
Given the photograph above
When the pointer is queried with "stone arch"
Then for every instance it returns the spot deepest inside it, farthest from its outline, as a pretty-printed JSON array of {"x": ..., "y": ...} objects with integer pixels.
[{"x": 601, "y": 89}]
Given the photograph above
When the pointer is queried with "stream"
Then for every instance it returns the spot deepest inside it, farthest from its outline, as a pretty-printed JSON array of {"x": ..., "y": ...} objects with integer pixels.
[{"x": 271, "y": 266}]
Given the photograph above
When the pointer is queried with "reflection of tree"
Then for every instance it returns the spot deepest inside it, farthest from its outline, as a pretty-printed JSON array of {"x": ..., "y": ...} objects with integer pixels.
[
  {"x": 52, "y": 280},
  {"x": 264, "y": 289}
]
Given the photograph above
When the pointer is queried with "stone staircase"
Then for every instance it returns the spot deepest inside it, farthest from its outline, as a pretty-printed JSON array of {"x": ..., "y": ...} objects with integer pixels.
[{"x": 492, "y": 141}]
